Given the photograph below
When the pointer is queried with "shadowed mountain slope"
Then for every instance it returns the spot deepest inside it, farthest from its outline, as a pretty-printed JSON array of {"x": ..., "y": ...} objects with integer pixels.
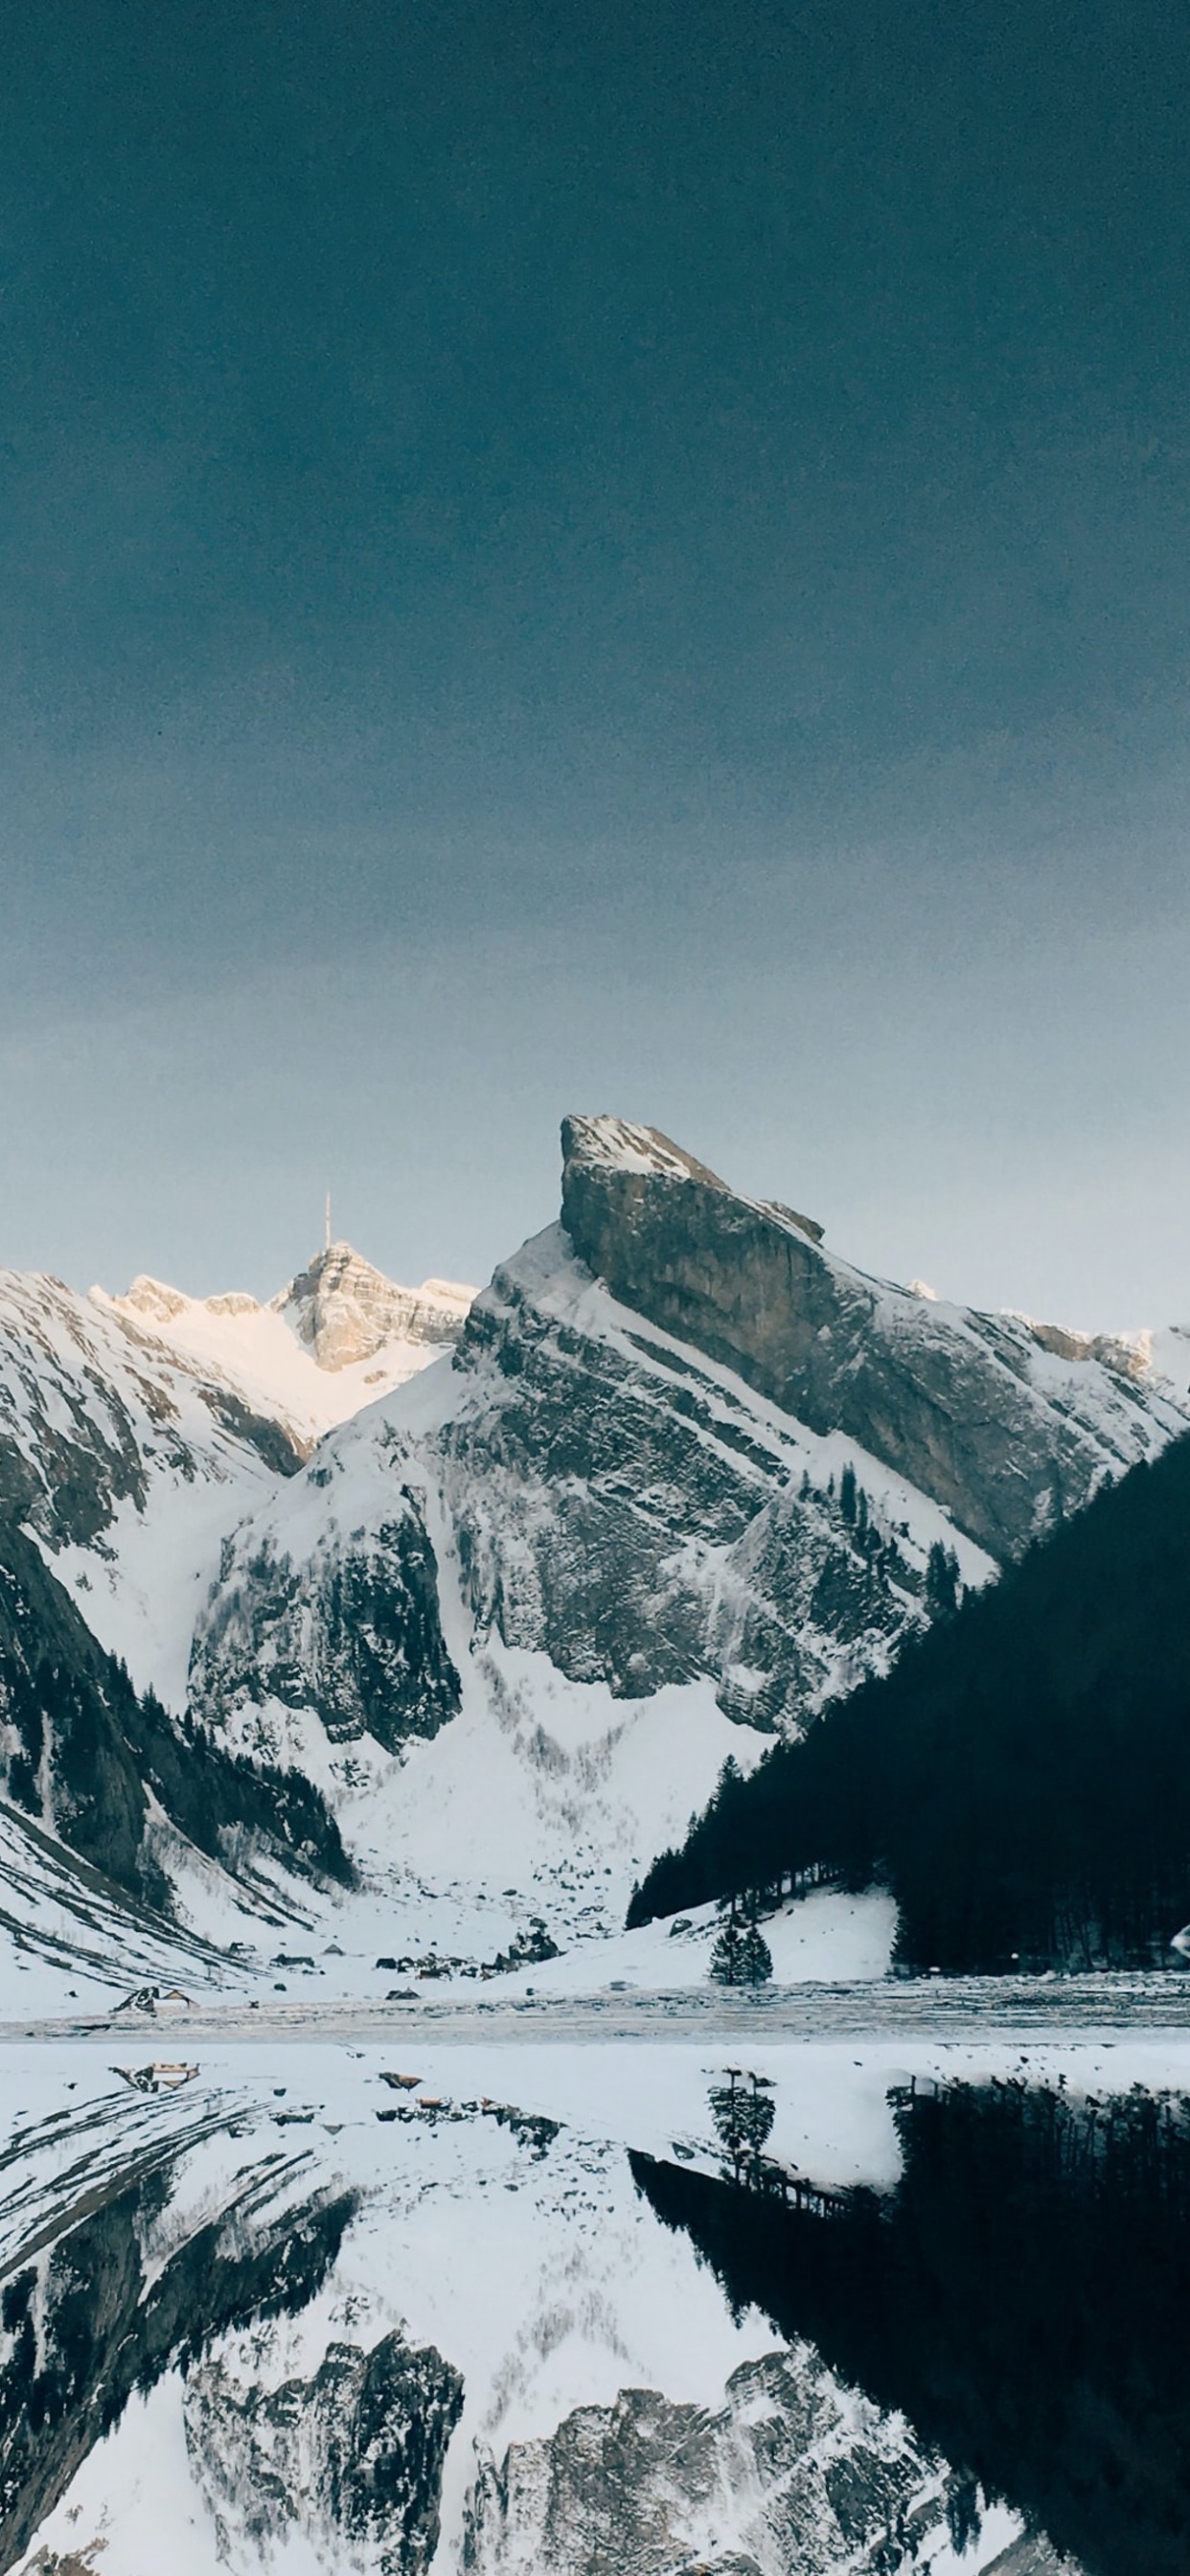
[
  {"x": 92, "y": 1762},
  {"x": 1008, "y": 1425},
  {"x": 1021, "y": 1779}
]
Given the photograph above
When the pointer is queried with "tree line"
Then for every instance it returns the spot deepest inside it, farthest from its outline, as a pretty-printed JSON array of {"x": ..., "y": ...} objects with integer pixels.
[{"x": 1020, "y": 1780}]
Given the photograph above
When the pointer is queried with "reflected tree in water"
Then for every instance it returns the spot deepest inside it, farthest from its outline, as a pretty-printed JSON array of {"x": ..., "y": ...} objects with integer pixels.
[{"x": 1021, "y": 2298}]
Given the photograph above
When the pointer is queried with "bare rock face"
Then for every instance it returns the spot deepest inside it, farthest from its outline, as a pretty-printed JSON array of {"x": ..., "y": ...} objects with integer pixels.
[
  {"x": 1006, "y": 1435},
  {"x": 643, "y": 1520},
  {"x": 350, "y": 1629},
  {"x": 88, "y": 1762},
  {"x": 679, "y": 1440},
  {"x": 609, "y": 1499},
  {"x": 343, "y": 1310},
  {"x": 1127, "y": 1354},
  {"x": 351, "y": 2458},
  {"x": 788, "y": 2475}
]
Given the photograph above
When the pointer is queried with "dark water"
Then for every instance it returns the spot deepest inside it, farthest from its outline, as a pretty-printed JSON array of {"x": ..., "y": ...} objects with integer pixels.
[
  {"x": 425, "y": 2334},
  {"x": 1023, "y": 2297}
]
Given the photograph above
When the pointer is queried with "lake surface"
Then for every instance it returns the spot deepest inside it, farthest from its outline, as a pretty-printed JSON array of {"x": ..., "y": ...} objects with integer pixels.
[{"x": 721, "y": 2299}]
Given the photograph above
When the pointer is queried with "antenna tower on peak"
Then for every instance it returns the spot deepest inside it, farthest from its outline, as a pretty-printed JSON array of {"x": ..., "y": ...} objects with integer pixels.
[{"x": 326, "y": 1237}]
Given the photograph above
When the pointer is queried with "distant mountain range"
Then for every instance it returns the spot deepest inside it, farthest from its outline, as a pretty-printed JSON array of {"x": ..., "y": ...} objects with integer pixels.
[{"x": 499, "y": 1583}]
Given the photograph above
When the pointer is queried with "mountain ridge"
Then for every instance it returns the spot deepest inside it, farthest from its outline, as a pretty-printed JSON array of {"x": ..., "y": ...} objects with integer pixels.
[{"x": 676, "y": 1482}]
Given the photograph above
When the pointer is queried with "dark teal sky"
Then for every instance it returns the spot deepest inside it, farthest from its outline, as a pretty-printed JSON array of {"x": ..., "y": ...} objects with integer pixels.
[{"x": 564, "y": 556}]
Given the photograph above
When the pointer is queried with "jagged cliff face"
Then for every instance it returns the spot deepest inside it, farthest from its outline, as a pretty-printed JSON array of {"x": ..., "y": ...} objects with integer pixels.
[
  {"x": 86, "y": 1761},
  {"x": 329, "y": 1604},
  {"x": 608, "y": 1501},
  {"x": 136, "y": 1431},
  {"x": 677, "y": 1457},
  {"x": 350, "y": 2458},
  {"x": 1009, "y": 1426},
  {"x": 678, "y": 1446},
  {"x": 343, "y": 1310},
  {"x": 788, "y": 2473},
  {"x": 638, "y": 1460},
  {"x": 642, "y": 1518}
]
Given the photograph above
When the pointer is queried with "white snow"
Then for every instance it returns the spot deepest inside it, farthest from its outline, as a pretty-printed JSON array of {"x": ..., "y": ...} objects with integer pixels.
[{"x": 259, "y": 1350}]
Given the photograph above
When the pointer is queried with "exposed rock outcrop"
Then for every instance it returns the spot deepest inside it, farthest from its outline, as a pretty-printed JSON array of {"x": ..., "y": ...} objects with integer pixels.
[
  {"x": 351, "y": 2458},
  {"x": 86, "y": 1757},
  {"x": 322, "y": 1608},
  {"x": 961, "y": 1404},
  {"x": 644, "y": 1520},
  {"x": 680, "y": 1439},
  {"x": 611, "y": 1500},
  {"x": 788, "y": 2473},
  {"x": 344, "y": 1310}
]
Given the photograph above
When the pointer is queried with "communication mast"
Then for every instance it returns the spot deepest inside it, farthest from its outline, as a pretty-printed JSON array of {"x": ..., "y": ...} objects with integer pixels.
[{"x": 326, "y": 1240}]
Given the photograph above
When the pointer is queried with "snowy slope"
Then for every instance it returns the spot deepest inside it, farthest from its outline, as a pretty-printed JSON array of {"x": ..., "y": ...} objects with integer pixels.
[
  {"x": 336, "y": 1337},
  {"x": 127, "y": 1464},
  {"x": 136, "y": 1431},
  {"x": 514, "y": 1617},
  {"x": 68, "y": 1934}
]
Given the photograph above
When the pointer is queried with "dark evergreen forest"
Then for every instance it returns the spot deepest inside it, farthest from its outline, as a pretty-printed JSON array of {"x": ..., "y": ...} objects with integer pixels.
[{"x": 1020, "y": 1780}]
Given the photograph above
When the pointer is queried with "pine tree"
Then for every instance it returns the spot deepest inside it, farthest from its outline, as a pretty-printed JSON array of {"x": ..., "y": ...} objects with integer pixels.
[
  {"x": 755, "y": 1958},
  {"x": 725, "y": 1957},
  {"x": 743, "y": 2115},
  {"x": 847, "y": 1492},
  {"x": 942, "y": 1582},
  {"x": 741, "y": 1956}
]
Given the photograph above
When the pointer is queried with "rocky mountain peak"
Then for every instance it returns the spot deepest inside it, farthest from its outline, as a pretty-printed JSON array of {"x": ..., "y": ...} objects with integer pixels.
[
  {"x": 607, "y": 1159},
  {"x": 952, "y": 1400},
  {"x": 343, "y": 1310},
  {"x": 617, "y": 1144},
  {"x": 154, "y": 1302},
  {"x": 151, "y": 1298}
]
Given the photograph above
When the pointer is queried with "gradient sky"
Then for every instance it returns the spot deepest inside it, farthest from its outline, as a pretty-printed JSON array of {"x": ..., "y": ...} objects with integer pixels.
[{"x": 624, "y": 556}]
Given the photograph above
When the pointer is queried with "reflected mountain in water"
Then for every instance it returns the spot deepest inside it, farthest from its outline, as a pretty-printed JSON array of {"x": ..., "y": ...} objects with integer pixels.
[
  {"x": 351, "y": 2456},
  {"x": 1021, "y": 2296},
  {"x": 92, "y": 2316},
  {"x": 387, "y": 2326}
]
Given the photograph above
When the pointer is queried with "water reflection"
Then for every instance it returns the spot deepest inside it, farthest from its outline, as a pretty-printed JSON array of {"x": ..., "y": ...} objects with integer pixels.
[
  {"x": 92, "y": 2316},
  {"x": 337, "y": 2314},
  {"x": 1022, "y": 2297}
]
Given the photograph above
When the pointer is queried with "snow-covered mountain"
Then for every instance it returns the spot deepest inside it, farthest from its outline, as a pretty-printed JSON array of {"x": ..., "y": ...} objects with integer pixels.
[
  {"x": 338, "y": 1335},
  {"x": 136, "y": 1431},
  {"x": 684, "y": 1477}
]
